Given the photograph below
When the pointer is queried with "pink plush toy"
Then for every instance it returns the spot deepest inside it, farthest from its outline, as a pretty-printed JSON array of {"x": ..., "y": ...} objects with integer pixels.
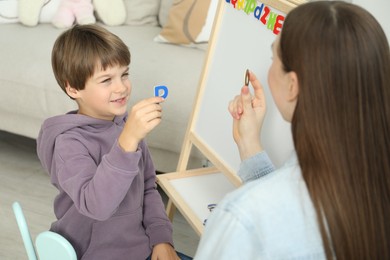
[{"x": 71, "y": 10}]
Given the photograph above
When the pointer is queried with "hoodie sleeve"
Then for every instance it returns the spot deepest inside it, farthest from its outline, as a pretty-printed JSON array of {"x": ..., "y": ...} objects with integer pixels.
[
  {"x": 97, "y": 189},
  {"x": 158, "y": 226}
]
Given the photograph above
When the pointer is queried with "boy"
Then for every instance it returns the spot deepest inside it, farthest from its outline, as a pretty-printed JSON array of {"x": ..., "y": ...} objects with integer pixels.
[{"x": 108, "y": 206}]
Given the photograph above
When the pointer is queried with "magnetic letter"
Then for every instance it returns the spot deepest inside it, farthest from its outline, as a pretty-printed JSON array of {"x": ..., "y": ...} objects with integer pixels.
[
  {"x": 250, "y": 6},
  {"x": 240, "y": 4},
  {"x": 159, "y": 89},
  {"x": 258, "y": 11},
  {"x": 264, "y": 16},
  {"x": 278, "y": 24},
  {"x": 271, "y": 21}
]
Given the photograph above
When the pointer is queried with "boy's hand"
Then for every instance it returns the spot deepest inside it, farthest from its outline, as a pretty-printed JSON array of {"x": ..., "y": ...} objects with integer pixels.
[
  {"x": 143, "y": 118},
  {"x": 164, "y": 251}
]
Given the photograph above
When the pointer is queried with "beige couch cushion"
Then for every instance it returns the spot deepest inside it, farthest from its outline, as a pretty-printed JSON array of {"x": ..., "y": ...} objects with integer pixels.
[
  {"x": 164, "y": 12},
  {"x": 142, "y": 12}
]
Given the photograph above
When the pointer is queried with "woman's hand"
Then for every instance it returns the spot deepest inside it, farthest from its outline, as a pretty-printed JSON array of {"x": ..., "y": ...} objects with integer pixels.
[
  {"x": 248, "y": 112},
  {"x": 143, "y": 118}
]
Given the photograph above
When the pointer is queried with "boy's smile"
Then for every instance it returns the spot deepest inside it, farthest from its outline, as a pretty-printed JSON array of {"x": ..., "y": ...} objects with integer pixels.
[{"x": 120, "y": 101}]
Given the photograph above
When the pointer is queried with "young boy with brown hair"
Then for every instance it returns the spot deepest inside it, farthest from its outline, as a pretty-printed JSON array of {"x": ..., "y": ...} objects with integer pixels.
[{"x": 108, "y": 206}]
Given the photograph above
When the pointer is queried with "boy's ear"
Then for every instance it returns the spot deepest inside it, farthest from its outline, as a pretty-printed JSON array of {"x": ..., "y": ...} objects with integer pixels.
[
  {"x": 71, "y": 91},
  {"x": 294, "y": 87}
]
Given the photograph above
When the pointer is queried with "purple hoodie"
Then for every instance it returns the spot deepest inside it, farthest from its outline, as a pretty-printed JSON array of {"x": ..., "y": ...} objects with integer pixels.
[{"x": 108, "y": 206}]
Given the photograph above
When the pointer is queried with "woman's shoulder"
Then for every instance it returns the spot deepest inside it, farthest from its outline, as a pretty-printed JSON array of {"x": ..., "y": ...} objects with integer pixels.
[{"x": 283, "y": 184}]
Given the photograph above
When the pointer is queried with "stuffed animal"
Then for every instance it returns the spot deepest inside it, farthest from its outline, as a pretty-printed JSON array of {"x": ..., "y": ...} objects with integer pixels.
[
  {"x": 110, "y": 12},
  {"x": 29, "y": 11},
  {"x": 71, "y": 10}
]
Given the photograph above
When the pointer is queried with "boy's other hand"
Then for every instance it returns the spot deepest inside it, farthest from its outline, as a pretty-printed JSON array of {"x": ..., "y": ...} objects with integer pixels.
[{"x": 164, "y": 251}]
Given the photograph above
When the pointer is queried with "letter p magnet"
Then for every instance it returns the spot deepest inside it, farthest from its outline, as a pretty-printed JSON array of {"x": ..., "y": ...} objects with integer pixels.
[{"x": 161, "y": 91}]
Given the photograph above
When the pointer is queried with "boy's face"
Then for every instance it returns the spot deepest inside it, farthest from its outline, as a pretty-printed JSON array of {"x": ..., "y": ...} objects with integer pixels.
[{"x": 105, "y": 94}]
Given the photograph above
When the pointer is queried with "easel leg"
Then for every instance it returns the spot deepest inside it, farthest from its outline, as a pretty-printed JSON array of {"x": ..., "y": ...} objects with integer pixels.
[{"x": 171, "y": 210}]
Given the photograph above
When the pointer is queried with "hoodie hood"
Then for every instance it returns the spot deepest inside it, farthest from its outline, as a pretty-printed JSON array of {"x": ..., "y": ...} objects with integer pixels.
[{"x": 57, "y": 125}]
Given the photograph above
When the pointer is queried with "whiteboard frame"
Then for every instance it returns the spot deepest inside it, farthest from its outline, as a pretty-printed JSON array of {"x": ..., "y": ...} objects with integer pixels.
[
  {"x": 192, "y": 139},
  {"x": 201, "y": 177}
]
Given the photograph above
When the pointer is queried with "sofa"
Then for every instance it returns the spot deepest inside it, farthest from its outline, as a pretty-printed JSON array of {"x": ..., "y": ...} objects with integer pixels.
[{"x": 29, "y": 93}]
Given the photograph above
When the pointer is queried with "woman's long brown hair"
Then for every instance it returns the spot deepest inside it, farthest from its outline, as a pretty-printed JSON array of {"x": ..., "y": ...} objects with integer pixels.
[{"x": 341, "y": 124}]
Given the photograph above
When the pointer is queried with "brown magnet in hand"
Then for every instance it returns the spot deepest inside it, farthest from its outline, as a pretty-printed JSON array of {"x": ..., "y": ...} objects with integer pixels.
[{"x": 247, "y": 77}]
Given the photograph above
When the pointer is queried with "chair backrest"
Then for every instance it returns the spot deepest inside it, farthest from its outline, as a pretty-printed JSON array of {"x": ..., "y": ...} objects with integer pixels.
[
  {"x": 49, "y": 245},
  {"x": 23, "y": 228}
]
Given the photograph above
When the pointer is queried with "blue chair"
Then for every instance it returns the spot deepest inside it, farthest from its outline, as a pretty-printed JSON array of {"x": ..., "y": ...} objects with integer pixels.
[{"x": 48, "y": 245}]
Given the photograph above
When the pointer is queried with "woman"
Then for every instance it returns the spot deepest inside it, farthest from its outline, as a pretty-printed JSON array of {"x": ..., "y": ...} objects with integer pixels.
[{"x": 330, "y": 77}]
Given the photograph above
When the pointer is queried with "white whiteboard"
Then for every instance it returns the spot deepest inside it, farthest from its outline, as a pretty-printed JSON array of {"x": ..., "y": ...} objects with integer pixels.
[
  {"x": 213, "y": 188},
  {"x": 239, "y": 42}
]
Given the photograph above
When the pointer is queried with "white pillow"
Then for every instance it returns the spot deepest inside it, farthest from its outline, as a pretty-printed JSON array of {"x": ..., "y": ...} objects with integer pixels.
[
  {"x": 9, "y": 11},
  {"x": 48, "y": 10}
]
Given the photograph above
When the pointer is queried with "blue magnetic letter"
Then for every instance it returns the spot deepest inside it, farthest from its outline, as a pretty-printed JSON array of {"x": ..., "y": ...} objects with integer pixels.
[{"x": 159, "y": 89}]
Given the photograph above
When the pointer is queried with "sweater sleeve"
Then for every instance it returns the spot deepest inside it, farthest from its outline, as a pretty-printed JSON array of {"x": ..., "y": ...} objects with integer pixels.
[
  {"x": 97, "y": 189},
  {"x": 255, "y": 167},
  {"x": 158, "y": 226}
]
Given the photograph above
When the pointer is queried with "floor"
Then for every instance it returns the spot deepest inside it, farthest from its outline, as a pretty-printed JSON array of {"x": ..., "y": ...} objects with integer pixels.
[{"x": 23, "y": 179}]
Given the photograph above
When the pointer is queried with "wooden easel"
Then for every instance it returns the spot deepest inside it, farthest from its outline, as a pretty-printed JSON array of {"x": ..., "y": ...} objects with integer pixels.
[{"x": 214, "y": 182}]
